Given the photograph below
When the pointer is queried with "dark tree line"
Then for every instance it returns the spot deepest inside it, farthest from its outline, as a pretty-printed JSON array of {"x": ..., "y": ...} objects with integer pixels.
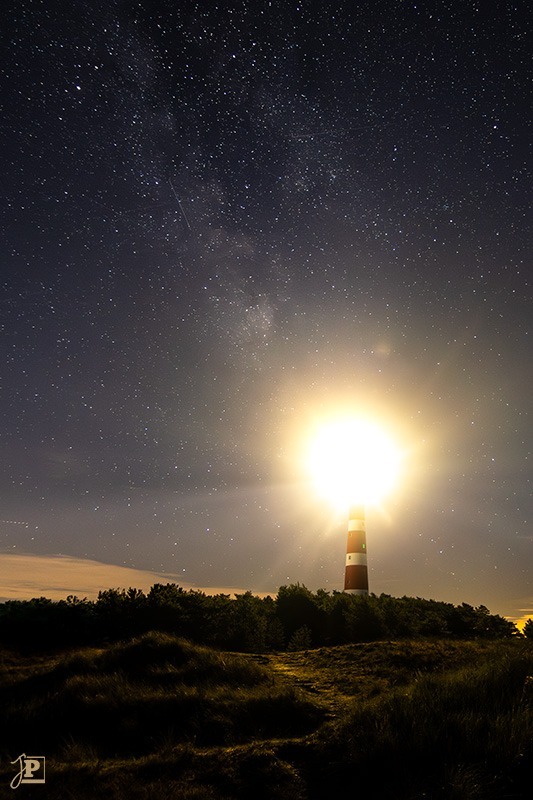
[{"x": 295, "y": 619}]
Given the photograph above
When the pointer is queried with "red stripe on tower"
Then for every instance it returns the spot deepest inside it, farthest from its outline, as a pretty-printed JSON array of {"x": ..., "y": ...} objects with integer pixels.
[{"x": 356, "y": 574}]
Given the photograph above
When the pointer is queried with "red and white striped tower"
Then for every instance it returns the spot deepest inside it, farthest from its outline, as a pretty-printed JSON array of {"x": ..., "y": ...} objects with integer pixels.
[{"x": 356, "y": 574}]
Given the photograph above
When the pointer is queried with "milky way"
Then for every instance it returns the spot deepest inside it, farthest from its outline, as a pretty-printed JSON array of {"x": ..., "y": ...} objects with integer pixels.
[{"x": 220, "y": 221}]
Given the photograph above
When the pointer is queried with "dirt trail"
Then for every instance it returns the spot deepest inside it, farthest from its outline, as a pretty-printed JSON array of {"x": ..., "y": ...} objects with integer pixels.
[{"x": 290, "y": 669}]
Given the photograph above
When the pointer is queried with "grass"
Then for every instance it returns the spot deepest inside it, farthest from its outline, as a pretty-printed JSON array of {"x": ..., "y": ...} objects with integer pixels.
[
  {"x": 465, "y": 733},
  {"x": 158, "y": 717},
  {"x": 126, "y": 699}
]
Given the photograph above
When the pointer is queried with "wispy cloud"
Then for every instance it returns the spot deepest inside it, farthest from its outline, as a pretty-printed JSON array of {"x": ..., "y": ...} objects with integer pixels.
[{"x": 25, "y": 576}]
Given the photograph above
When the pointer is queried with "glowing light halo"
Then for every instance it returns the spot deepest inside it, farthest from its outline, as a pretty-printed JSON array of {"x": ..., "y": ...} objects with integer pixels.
[{"x": 351, "y": 461}]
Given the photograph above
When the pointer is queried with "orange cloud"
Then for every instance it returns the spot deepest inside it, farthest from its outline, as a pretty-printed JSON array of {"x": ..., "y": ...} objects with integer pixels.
[{"x": 25, "y": 576}]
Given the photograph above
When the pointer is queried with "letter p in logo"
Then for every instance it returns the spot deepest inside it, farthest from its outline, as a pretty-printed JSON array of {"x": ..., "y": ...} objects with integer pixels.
[{"x": 31, "y": 765}]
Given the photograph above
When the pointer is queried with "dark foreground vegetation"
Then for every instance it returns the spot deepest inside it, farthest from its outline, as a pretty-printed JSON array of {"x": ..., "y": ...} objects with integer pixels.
[
  {"x": 159, "y": 718},
  {"x": 401, "y": 699},
  {"x": 295, "y": 619}
]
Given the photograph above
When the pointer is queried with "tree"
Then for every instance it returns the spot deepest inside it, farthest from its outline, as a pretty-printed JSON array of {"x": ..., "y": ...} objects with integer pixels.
[
  {"x": 362, "y": 621},
  {"x": 121, "y": 612},
  {"x": 296, "y": 607},
  {"x": 300, "y": 639},
  {"x": 527, "y": 630}
]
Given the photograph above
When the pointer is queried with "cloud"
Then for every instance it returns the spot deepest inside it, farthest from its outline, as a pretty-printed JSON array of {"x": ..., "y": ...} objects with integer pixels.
[{"x": 25, "y": 576}]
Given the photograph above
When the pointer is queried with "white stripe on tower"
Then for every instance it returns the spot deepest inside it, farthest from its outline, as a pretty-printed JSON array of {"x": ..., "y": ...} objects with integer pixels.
[
  {"x": 356, "y": 558},
  {"x": 356, "y": 572}
]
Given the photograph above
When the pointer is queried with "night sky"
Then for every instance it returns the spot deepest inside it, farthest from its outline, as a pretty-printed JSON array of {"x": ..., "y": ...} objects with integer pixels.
[{"x": 222, "y": 222}]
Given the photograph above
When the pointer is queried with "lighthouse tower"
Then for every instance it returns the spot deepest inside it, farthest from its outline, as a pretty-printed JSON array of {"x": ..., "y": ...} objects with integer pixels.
[{"x": 356, "y": 574}]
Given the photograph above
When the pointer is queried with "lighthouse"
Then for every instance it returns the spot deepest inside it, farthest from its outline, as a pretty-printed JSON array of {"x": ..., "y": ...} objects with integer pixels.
[
  {"x": 354, "y": 465},
  {"x": 356, "y": 572}
]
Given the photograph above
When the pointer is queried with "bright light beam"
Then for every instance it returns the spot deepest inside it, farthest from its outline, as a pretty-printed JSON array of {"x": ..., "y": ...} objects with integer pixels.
[{"x": 353, "y": 461}]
